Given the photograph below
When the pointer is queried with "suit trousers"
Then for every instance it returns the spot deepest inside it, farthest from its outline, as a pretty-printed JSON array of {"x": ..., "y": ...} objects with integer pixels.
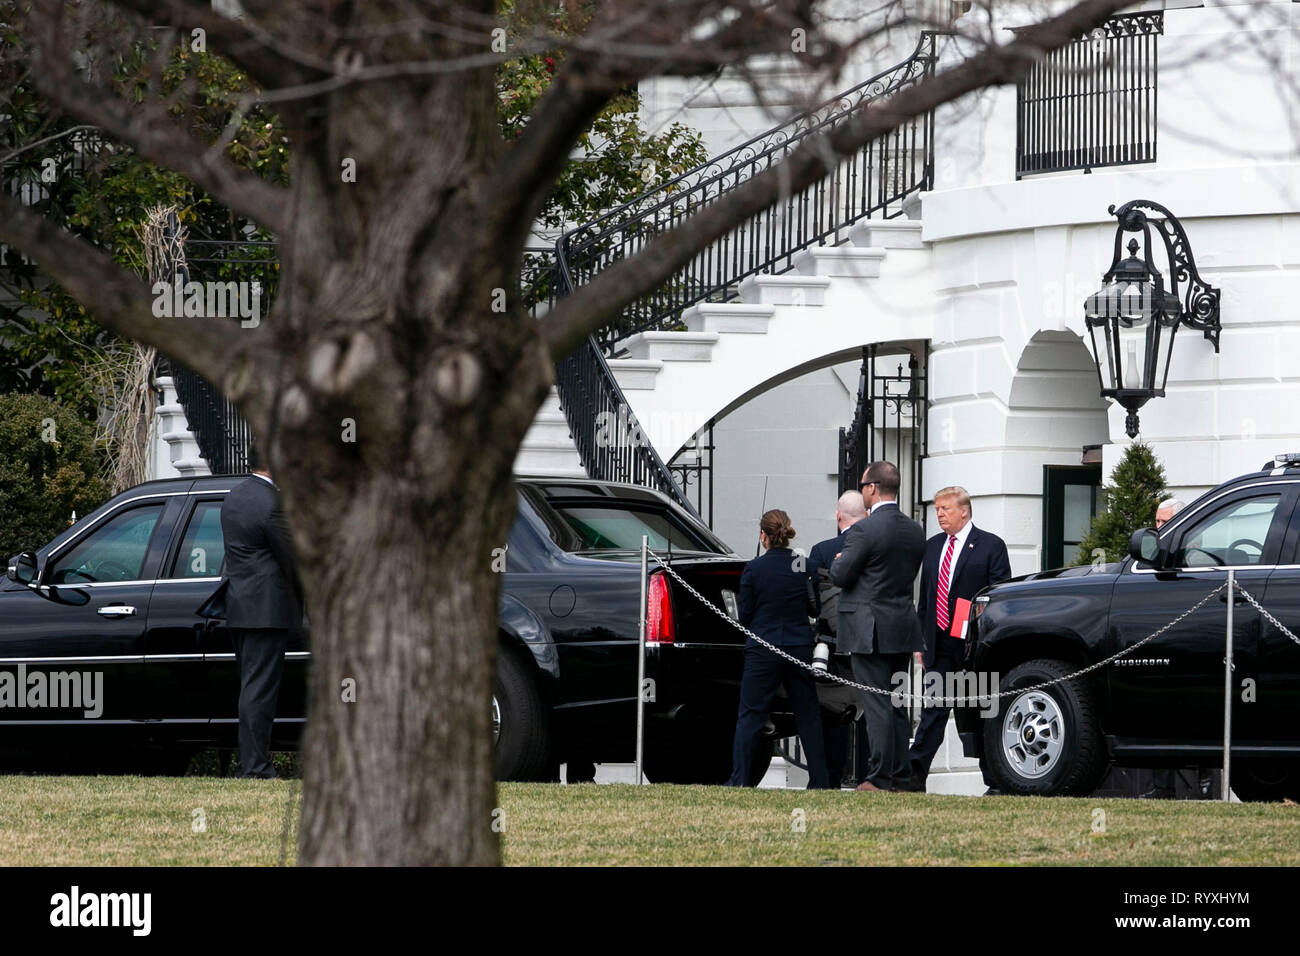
[
  {"x": 260, "y": 655},
  {"x": 948, "y": 654},
  {"x": 888, "y": 726},
  {"x": 764, "y": 672}
]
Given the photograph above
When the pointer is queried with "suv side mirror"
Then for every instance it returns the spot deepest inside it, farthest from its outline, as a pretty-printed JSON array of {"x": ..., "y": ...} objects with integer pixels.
[
  {"x": 1145, "y": 546},
  {"x": 23, "y": 569}
]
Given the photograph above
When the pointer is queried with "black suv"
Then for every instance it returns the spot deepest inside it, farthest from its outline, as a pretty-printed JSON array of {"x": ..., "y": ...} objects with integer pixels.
[
  {"x": 113, "y": 599},
  {"x": 1162, "y": 706}
]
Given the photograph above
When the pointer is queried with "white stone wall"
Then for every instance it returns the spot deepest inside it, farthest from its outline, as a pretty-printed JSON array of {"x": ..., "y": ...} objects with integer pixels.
[
  {"x": 1012, "y": 388},
  {"x": 783, "y": 443}
]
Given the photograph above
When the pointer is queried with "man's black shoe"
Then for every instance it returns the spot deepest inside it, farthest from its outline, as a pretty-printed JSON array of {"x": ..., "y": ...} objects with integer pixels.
[
  {"x": 914, "y": 784},
  {"x": 1158, "y": 793}
]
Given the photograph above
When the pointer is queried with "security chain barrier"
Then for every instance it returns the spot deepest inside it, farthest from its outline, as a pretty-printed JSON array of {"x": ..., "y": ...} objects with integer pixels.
[
  {"x": 932, "y": 700},
  {"x": 1268, "y": 617}
]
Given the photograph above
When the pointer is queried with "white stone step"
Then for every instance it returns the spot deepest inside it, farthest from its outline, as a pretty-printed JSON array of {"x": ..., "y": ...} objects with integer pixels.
[
  {"x": 672, "y": 346},
  {"x": 887, "y": 234},
  {"x": 858, "y": 262},
  {"x": 559, "y": 458},
  {"x": 635, "y": 374},
  {"x": 740, "y": 317},
  {"x": 785, "y": 289},
  {"x": 548, "y": 426}
]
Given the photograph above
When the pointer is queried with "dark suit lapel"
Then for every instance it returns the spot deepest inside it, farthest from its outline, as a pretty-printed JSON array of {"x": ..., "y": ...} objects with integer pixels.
[{"x": 969, "y": 551}]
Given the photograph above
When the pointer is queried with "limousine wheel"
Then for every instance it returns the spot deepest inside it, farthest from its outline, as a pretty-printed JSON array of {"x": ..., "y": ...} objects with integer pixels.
[
  {"x": 1045, "y": 742},
  {"x": 1255, "y": 781},
  {"x": 519, "y": 722}
]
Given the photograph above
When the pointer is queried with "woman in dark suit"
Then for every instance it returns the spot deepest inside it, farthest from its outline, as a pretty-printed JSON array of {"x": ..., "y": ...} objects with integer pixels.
[{"x": 775, "y": 603}]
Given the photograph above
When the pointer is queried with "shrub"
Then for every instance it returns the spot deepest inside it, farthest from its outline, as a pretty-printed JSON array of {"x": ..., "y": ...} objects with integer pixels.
[
  {"x": 49, "y": 468},
  {"x": 1137, "y": 485}
]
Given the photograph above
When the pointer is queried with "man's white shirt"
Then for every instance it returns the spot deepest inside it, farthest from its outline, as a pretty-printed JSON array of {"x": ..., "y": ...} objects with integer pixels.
[{"x": 957, "y": 549}]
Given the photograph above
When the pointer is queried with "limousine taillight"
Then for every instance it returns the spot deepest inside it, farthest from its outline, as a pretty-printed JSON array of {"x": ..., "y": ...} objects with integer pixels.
[{"x": 660, "y": 628}]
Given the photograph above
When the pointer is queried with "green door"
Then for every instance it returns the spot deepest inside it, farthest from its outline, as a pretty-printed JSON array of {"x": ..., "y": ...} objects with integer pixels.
[{"x": 1071, "y": 497}]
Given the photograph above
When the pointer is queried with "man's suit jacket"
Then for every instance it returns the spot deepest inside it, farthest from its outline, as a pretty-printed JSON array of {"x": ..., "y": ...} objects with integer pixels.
[
  {"x": 261, "y": 579},
  {"x": 876, "y": 569},
  {"x": 983, "y": 561},
  {"x": 774, "y": 599},
  {"x": 822, "y": 556}
]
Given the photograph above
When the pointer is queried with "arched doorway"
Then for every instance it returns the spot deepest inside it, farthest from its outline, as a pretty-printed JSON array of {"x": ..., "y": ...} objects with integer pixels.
[{"x": 1056, "y": 421}]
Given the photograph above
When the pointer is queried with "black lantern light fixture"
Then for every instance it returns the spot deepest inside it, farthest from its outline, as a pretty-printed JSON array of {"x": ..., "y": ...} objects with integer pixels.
[{"x": 1133, "y": 319}]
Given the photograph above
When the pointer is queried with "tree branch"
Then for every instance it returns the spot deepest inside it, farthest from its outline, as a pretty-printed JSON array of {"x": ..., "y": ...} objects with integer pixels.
[
  {"x": 601, "y": 64},
  {"x": 595, "y": 304},
  {"x": 119, "y": 299},
  {"x": 156, "y": 136},
  {"x": 234, "y": 39}
]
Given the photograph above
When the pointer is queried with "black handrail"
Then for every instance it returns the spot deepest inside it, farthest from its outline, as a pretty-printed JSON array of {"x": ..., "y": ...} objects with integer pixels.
[
  {"x": 873, "y": 181},
  {"x": 222, "y": 434},
  {"x": 610, "y": 444},
  {"x": 609, "y": 440}
]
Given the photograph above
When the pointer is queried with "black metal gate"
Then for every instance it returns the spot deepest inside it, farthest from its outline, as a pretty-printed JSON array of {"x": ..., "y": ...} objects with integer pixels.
[
  {"x": 890, "y": 422},
  {"x": 692, "y": 469}
]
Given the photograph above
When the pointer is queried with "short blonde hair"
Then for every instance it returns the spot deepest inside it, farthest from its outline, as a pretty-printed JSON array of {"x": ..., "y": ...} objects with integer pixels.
[{"x": 955, "y": 491}]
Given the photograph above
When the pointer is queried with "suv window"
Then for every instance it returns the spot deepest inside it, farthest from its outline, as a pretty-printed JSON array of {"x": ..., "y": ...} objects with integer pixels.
[
  {"x": 203, "y": 549},
  {"x": 115, "y": 551},
  {"x": 1234, "y": 535}
]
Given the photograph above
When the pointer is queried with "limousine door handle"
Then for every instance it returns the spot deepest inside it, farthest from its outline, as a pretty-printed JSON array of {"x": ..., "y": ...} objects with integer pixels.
[
  {"x": 1236, "y": 599},
  {"x": 117, "y": 610}
]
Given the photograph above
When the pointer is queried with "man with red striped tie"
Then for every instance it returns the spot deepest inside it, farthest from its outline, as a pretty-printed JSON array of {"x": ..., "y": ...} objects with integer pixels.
[{"x": 959, "y": 563}]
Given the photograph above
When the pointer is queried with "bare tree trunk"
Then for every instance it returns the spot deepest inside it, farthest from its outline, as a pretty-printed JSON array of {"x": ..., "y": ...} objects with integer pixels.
[{"x": 398, "y": 753}]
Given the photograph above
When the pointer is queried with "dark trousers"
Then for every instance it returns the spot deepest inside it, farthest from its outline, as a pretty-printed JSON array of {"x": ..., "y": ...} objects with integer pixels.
[
  {"x": 887, "y": 726},
  {"x": 934, "y": 717},
  {"x": 260, "y": 655},
  {"x": 764, "y": 673}
]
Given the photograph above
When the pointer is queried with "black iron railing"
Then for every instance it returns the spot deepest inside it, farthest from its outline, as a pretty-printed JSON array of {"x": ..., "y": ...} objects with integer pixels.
[
  {"x": 604, "y": 429},
  {"x": 1093, "y": 102},
  {"x": 874, "y": 181},
  {"x": 222, "y": 434}
]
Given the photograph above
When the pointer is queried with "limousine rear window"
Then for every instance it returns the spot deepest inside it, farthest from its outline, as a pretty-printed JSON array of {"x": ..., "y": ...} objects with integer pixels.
[{"x": 619, "y": 527}]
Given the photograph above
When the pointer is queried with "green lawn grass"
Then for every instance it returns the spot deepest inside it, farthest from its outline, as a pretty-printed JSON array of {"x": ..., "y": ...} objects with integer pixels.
[{"x": 136, "y": 821}]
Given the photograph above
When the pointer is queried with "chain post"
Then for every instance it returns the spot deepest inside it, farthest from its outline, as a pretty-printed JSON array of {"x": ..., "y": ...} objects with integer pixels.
[
  {"x": 1227, "y": 690},
  {"x": 640, "y": 662}
]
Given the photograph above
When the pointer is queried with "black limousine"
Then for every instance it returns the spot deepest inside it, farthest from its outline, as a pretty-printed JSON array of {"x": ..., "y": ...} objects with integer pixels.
[{"x": 113, "y": 599}]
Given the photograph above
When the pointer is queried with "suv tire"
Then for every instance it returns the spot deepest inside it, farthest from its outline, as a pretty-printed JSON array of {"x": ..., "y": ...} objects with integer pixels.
[
  {"x": 1045, "y": 742},
  {"x": 1266, "y": 781}
]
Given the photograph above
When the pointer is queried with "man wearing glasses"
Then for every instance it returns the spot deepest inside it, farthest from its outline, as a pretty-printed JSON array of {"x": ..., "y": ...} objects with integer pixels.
[{"x": 878, "y": 625}]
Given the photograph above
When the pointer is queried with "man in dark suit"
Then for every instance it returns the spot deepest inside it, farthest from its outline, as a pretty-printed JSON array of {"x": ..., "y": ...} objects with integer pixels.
[
  {"x": 848, "y": 511},
  {"x": 877, "y": 620},
  {"x": 263, "y": 608},
  {"x": 959, "y": 562}
]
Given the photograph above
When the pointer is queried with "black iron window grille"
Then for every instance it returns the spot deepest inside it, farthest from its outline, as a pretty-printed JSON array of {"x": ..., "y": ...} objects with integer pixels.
[{"x": 1092, "y": 103}]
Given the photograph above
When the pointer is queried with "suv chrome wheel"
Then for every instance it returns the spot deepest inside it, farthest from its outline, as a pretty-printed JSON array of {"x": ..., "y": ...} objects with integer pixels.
[
  {"x": 1033, "y": 734},
  {"x": 496, "y": 720}
]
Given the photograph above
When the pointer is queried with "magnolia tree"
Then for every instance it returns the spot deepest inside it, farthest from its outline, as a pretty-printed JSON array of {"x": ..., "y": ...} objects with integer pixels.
[{"x": 394, "y": 379}]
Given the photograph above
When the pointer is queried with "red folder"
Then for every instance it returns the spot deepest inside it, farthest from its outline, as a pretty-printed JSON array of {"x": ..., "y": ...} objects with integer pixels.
[{"x": 960, "y": 615}]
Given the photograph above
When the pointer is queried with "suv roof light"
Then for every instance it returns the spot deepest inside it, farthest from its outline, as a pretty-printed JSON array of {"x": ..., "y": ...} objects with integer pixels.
[{"x": 1290, "y": 459}]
